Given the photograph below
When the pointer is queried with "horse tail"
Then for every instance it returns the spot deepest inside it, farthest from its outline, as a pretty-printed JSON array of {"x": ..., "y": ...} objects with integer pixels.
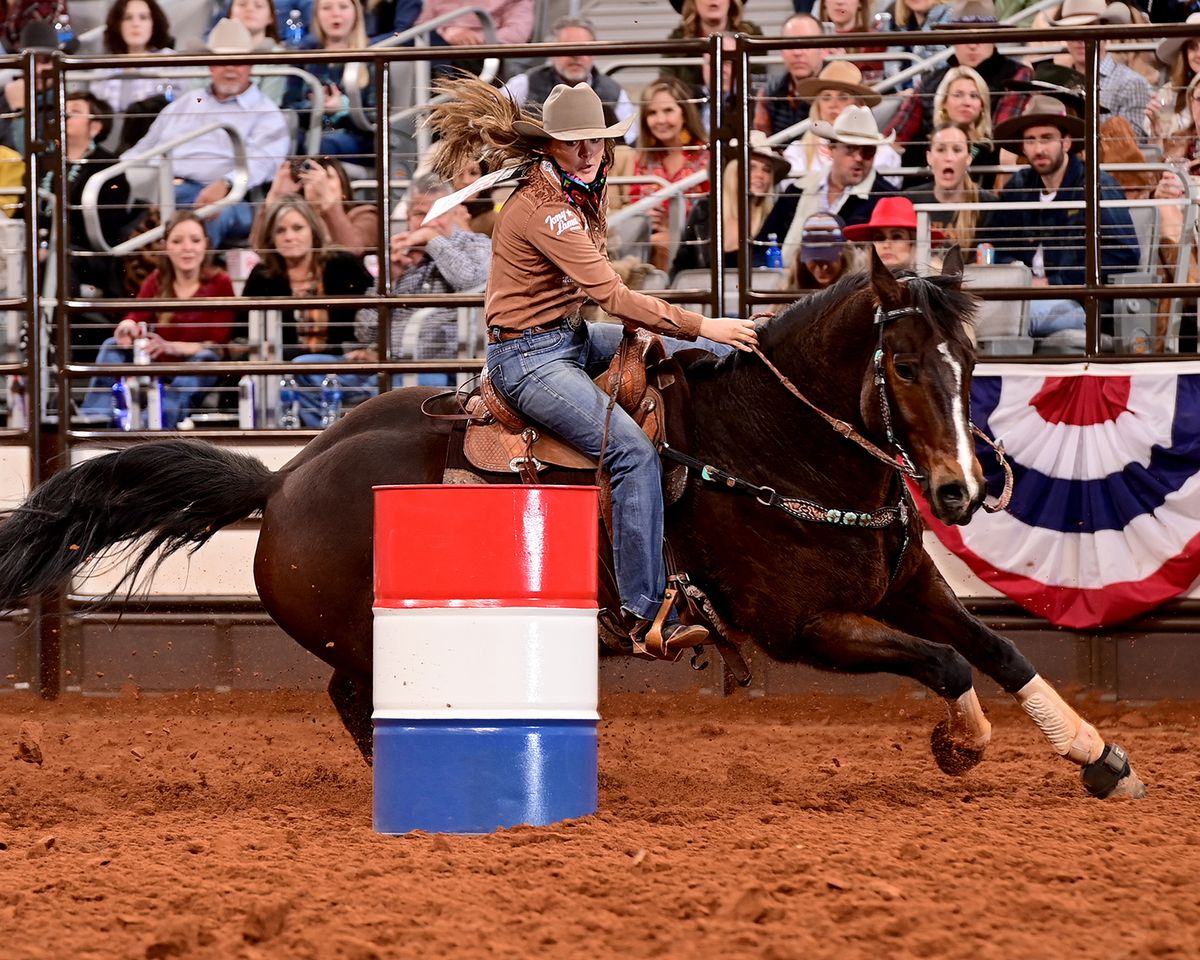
[{"x": 172, "y": 493}]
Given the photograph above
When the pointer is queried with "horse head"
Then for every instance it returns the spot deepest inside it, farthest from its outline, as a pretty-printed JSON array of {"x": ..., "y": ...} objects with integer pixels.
[{"x": 917, "y": 391}]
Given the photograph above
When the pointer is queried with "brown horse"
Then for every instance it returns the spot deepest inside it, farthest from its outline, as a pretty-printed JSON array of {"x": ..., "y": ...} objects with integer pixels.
[{"x": 823, "y": 564}]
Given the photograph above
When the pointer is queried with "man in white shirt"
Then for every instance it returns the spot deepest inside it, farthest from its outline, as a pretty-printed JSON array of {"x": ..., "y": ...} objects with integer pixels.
[{"x": 203, "y": 166}]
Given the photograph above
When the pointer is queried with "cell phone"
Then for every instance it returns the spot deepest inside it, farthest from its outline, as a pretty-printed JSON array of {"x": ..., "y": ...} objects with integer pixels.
[{"x": 300, "y": 164}]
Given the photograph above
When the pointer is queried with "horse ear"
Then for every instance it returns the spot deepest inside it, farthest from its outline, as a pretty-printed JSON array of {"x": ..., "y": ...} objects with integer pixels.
[
  {"x": 887, "y": 288},
  {"x": 952, "y": 265}
]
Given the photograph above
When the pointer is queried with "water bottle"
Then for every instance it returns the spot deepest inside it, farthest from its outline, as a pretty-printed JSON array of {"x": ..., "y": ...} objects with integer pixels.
[
  {"x": 120, "y": 402},
  {"x": 133, "y": 404},
  {"x": 151, "y": 389},
  {"x": 141, "y": 347},
  {"x": 294, "y": 30},
  {"x": 331, "y": 400},
  {"x": 63, "y": 31},
  {"x": 168, "y": 91},
  {"x": 288, "y": 415},
  {"x": 247, "y": 403},
  {"x": 774, "y": 259}
]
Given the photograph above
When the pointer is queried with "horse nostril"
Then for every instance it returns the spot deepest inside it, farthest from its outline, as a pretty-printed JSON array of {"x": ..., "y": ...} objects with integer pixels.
[{"x": 952, "y": 494}]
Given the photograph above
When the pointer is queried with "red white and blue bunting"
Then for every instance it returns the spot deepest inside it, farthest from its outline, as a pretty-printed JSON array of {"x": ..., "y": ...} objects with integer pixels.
[{"x": 1104, "y": 523}]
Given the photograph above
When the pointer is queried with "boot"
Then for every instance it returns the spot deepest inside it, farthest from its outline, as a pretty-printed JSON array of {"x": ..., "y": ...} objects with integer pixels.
[{"x": 669, "y": 640}]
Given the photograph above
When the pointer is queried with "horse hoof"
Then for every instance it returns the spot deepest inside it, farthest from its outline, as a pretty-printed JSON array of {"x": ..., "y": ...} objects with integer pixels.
[
  {"x": 1130, "y": 786},
  {"x": 1111, "y": 775},
  {"x": 953, "y": 758}
]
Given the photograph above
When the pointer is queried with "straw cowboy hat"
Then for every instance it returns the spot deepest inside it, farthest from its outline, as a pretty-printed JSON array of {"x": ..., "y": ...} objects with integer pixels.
[
  {"x": 969, "y": 14},
  {"x": 229, "y": 36},
  {"x": 1079, "y": 13},
  {"x": 759, "y": 147},
  {"x": 1041, "y": 111},
  {"x": 837, "y": 75},
  {"x": 889, "y": 213},
  {"x": 572, "y": 113},
  {"x": 1169, "y": 49},
  {"x": 854, "y": 125}
]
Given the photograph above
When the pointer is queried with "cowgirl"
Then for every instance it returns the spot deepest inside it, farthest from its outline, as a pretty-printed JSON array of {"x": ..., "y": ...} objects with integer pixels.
[{"x": 548, "y": 256}]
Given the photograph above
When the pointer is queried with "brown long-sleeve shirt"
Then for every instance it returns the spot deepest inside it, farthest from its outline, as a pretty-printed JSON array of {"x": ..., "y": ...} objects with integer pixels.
[{"x": 545, "y": 263}]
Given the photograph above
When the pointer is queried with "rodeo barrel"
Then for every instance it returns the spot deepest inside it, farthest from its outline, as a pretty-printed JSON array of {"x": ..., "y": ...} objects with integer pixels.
[{"x": 485, "y": 688}]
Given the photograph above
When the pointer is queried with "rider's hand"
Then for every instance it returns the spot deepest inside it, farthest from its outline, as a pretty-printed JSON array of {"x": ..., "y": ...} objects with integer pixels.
[{"x": 733, "y": 331}]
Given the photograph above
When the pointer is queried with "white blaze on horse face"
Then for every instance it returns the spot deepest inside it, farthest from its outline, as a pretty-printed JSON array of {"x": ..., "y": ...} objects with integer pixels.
[{"x": 962, "y": 439}]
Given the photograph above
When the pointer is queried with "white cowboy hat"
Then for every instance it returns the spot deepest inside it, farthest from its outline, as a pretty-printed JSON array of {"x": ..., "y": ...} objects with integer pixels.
[
  {"x": 1169, "y": 48},
  {"x": 229, "y": 36},
  {"x": 573, "y": 113},
  {"x": 759, "y": 147},
  {"x": 1078, "y": 13},
  {"x": 854, "y": 125}
]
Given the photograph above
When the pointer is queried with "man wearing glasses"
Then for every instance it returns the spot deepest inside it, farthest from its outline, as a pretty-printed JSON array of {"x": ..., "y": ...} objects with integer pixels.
[{"x": 1051, "y": 240}]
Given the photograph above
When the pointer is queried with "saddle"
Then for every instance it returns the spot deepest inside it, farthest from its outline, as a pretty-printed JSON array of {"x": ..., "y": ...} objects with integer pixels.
[{"x": 648, "y": 385}]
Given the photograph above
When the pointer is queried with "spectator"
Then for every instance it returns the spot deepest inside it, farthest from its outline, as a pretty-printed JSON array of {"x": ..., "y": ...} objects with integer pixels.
[
  {"x": 386, "y": 18},
  {"x": 1051, "y": 241},
  {"x": 1183, "y": 152},
  {"x": 513, "y": 20},
  {"x": 838, "y": 86},
  {"x": 962, "y": 100},
  {"x": 87, "y": 123},
  {"x": 203, "y": 165},
  {"x": 297, "y": 262},
  {"x": 339, "y": 26},
  {"x": 431, "y": 256},
  {"x": 1123, "y": 91},
  {"x": 823, "y": 256},
  {"x": 262, "y": 20},
  {"x": 1168, "y": 112},
  {"x": 769, "y": 218},
  {"x": 671, "y": 146},
  {"x": 701, "y": 19},
  {"x": 778, "y": 105},
  {"x": 185, "y": 272},
  {"x": 39, "y": 36},
  {"x": 912, "y": 16},
  {"x": 533, "y": 86},
  {"x": 325, "y": 184},
  {"x": 849, "y": 186},
  {"x": 1005, "y": 77},
  {"x": 892, "y": 231},
  {"x": 949, "y": 158},
  {"x": 703, "y": 93},
  {"x": 853, "y": 16},
  {"x": 133, "y": 28}
]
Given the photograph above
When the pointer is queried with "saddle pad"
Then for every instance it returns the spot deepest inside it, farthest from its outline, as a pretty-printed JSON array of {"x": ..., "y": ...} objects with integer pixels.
[{"x": 492, "y": 447}]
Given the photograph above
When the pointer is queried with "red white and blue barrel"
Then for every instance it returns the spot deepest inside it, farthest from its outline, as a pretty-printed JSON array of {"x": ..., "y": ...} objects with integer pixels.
[{"x": 485, "y": 688}]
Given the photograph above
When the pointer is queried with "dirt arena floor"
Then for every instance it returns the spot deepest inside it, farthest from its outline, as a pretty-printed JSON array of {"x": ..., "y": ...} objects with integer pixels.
[{"x": 231, "y": 826}]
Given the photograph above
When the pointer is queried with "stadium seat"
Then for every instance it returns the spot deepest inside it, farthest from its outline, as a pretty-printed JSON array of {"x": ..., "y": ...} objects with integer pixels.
[{"x": 1001, "y": 326}]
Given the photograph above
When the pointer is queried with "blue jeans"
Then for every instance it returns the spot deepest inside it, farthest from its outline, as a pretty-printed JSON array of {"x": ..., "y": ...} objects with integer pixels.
[
  {"x": 179, "y": 394},
  {"x": 544, "y": 375},
  {"x": 1051, "y": 316},
  {"x": 355, "y": 387},
  {"x": 233, "y": 222}
]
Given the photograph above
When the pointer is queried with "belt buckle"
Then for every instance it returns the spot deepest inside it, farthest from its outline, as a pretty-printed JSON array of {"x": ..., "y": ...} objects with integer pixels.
[{"x": 574, "y": 323}]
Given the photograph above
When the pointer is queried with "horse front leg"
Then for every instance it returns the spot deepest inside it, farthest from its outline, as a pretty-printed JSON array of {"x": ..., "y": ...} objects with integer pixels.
[
  {"x": 857, "y": 643},
  {"x": 930, "y": 608}
]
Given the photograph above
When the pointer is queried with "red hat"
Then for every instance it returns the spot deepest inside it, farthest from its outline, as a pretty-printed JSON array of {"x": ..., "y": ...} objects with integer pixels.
[{"x": 888, "y": 212}]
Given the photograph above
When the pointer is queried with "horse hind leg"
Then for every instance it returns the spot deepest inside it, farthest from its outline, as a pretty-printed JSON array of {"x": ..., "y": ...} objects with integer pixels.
[
  {"x": 352, "y": 698},
  {"x": 857, "y": 643}
]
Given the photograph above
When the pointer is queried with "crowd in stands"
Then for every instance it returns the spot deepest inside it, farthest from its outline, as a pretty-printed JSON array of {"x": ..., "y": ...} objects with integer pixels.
[{"x": 840, "y": 161}]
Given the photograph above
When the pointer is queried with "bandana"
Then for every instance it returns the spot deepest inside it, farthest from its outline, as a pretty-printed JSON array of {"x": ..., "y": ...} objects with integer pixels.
[{"x": 588, "y": 197}]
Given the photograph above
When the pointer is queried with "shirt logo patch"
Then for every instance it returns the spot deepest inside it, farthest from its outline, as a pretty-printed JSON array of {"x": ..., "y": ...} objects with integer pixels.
[{"x": 562, "y": 222}]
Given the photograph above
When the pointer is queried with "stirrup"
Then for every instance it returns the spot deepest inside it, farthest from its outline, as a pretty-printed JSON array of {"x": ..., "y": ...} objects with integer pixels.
[{"x": 667, "y": 641}]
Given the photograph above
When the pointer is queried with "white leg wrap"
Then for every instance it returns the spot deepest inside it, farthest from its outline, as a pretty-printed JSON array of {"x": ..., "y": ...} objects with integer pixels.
[
  {"x": 968, "y": 725},
  {"x": 1068, "y": 733}
]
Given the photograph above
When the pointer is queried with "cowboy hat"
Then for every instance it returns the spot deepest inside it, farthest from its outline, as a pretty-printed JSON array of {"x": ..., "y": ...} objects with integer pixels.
[
  {"x": 821, "y": 238},
  {"x": 969, "y": 14},
  {"x": 854, "y": 125},
  {"x": 1041, "y": 111},
  {"x": 759, "y": 147},
  {"x": 1078, "y": 13},
  {"x": 837, "y": 75},
  {"x": 228, "y": 36},
  {"x": 572, "y": 113},
  {"x": 41, "y": 35},
  {"x": 1169, "y": 49},
  {"x": 889, "y": 212}
]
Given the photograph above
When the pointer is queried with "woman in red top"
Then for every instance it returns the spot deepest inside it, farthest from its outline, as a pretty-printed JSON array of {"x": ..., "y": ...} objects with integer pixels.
[
  {"x": 671, "y": 146},
  {"x": 184, "y": 273}
]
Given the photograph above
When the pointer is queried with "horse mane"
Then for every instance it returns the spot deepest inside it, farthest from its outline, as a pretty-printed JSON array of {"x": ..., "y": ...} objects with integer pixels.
[{"x": 941, "y": 299}]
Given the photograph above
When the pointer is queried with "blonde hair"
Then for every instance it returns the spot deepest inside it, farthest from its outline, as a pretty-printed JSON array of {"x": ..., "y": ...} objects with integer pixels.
[
  {"x": 352, "y": 73},
  {"x": 693, "y": 128},
  {"x": 981, "y": 127},
  {"x": 760, "y": 207},
  {"x": 1181, "y": 75},
  {"x": 733, "y": 22}
]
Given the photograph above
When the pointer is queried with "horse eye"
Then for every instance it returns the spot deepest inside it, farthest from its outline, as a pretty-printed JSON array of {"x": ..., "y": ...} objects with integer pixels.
[{"x": 905, "y": 367}]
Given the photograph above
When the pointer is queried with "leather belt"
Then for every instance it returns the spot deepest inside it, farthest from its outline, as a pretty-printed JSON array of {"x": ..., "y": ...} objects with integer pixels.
[{"x": 500, "y": 334}]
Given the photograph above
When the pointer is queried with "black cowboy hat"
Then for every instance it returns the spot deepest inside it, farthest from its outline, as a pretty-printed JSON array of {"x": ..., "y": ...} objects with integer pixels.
[
  {"x": 1064, "y": 84},
  {"x": 41, "y": 35}
]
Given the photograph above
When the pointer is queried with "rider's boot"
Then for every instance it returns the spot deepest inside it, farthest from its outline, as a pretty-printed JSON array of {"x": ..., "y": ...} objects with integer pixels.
[{"x": 666, "y": 639}]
